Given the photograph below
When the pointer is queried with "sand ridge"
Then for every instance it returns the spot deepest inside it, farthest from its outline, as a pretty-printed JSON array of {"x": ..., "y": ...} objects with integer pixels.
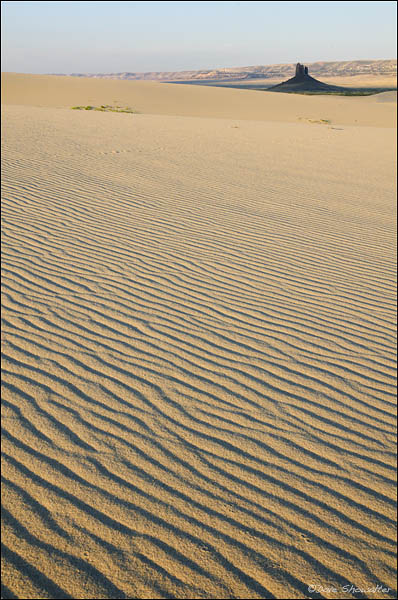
[{"x": 198, "y": 353}]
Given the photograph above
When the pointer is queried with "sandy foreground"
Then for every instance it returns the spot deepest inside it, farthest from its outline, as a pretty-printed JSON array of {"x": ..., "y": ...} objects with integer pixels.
[{"x": 198, "y": 342}]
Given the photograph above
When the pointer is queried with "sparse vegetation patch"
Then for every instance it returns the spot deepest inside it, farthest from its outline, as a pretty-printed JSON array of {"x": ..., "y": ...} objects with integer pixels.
[
  {"x": 320, "y": 121},
  {"x": 106, "y": 108}
]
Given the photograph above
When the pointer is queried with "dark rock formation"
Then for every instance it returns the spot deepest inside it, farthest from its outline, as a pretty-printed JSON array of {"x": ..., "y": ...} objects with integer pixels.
[{"x": 303, "y": 82}]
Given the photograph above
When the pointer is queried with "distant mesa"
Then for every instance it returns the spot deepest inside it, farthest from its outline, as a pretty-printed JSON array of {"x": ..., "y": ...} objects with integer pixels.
[
  {"x": 364, "y": 68},
  {"x": 303, "y": 82}
]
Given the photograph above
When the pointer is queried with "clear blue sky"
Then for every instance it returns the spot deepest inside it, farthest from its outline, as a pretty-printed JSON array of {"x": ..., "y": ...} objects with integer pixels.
[{"x": 100, "y": 37}]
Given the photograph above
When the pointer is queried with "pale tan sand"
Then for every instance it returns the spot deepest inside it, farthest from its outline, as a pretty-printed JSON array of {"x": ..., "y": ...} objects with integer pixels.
[
  {"x": 358, "y": 81},
  {"x": 198, "y": 337}
]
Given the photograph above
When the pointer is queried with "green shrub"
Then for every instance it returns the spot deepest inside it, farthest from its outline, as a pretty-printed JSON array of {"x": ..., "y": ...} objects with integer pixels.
[{"x": 106, "y": 108}]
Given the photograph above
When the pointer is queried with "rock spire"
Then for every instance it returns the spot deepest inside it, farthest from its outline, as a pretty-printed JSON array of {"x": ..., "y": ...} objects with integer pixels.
[{"x": 301, "y": 70}]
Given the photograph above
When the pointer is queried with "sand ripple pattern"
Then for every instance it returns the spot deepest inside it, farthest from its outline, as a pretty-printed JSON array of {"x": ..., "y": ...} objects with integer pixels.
[{"x": 198, "y": 357}]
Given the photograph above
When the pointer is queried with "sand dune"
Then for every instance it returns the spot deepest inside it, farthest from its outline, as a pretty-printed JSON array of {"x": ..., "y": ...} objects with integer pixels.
[
  {"x": 384, "y": 97},
  {"x": 192, "y": 101},
  {"x": 198, "y": 343}
]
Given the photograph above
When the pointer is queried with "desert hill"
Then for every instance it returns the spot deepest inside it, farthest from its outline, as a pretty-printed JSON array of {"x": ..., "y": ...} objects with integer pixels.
[{"x": 385, "y": 68}]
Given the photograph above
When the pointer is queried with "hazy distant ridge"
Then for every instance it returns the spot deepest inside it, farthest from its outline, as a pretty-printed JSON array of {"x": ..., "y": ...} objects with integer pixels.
[{"x": 317, "y": 69}]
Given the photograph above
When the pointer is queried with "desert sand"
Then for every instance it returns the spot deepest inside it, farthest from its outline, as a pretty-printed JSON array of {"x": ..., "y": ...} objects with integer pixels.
[{"x": 198, "y": 342}]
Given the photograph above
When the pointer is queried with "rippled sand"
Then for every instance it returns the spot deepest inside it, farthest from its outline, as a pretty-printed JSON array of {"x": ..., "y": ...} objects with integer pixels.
[{"x": 198, "y": 342}]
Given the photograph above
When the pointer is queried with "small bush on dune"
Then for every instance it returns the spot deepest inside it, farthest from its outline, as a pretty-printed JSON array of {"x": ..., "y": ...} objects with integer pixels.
[{"x": 106, "y": 108}]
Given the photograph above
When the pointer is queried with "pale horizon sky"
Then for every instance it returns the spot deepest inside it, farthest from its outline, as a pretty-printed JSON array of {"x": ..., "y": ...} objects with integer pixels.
[{"x": 105, "y": 37}]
